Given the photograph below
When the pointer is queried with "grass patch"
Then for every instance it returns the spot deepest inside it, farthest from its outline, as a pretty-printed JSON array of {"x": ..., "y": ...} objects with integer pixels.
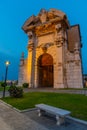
[{"x": 77, "y": 104}]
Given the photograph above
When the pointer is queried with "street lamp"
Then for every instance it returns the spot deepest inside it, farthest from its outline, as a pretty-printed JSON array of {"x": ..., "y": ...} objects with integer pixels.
[{"x": 7, "y": 63}]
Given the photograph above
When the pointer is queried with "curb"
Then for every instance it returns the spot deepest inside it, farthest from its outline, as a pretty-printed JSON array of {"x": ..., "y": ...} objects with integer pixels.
[
  {"x": 21, "y": 111},
  {"x": 32, "y": 109},
  {"x": 10, "y": 105},
  {"x": 26, "y": 110},
  {"x": 77, "y": 120}
]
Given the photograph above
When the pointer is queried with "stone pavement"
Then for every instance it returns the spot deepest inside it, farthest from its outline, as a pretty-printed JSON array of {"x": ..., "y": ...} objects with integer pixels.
[
  {"x": 50, "y": 122},
  {"x": 71, "y": 91},
  {"x": 3, "y": 125},
  {"x": 11, "y": 119}
]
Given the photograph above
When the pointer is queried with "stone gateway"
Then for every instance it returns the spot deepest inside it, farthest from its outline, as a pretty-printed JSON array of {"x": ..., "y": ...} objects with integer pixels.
[{"x": 54, "y": 52}]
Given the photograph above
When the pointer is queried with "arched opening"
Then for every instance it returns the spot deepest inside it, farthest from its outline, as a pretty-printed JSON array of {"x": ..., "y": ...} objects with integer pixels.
[{"x": 45, "y": 71}]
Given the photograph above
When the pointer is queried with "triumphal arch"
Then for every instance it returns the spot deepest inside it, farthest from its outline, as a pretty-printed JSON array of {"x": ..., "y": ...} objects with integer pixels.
[{"x": 54, "y": 52}]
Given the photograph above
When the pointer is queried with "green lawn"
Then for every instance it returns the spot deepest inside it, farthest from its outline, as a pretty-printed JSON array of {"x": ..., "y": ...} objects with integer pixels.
[{"x": 77, "y": 104}]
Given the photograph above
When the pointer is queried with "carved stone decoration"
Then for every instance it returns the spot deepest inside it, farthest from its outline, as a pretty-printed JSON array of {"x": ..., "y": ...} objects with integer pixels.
[
  {"x": 30, "y": 47},
  {"x": 30, "y": 34},
  {"x": 44, "y": 49},
  {"x": 47, "y": 45},
  {"x": 58, "y": 27},
  {"x": 77, "y": 47},
  {"x": 58, "y": 13},
  {"x": 31, "y": 37},
  {"x": 59, "y": 43},
  {"x": 69, "y": 57},
  {"x": 31, "y": 41},
  {"x": 44, "y": 29},
  {"x": 43, "y": 15},
  {"x": 59, "y": 35},
  {"x": 50, "y": 15}
]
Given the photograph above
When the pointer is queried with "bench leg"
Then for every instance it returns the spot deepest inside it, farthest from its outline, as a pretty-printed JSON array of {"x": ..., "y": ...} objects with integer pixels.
[
  {"x": 60, "y": 120},
  {"x": 39, "y": 112}
]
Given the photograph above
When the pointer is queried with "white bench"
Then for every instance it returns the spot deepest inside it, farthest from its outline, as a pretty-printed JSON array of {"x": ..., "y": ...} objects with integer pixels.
[{"x": 59, "y": 113}]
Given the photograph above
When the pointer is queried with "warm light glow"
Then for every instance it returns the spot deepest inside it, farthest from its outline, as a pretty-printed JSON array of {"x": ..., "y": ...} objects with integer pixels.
[{"x": 7, "y": 63}]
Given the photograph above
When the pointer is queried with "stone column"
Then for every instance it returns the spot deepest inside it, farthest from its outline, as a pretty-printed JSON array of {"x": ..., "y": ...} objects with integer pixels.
[
  {"x": 65, "y": 59},
  {"x": 78, "y": 79},
  {"x": 33, "y": 68},
  {"x": 31, "y": 58},
  {"x": 58, "y": 67},
  {"x": 29, "y": 64},
  {"x": 21, "y": 70},
  {"x": 36, "y": 74}
]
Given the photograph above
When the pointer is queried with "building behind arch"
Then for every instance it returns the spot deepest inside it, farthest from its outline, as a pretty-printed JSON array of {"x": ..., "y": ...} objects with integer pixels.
[{"x": 54, "y": 52}]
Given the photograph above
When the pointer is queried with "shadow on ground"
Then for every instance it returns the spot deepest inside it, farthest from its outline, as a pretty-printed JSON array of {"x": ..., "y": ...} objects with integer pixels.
[{"x": 50, "y": 122}]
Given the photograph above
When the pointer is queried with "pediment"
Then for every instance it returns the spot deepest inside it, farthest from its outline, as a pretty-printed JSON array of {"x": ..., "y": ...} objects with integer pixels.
[
  {"x": 33, "y": 20},
  {"x": 44, "y": 17}
]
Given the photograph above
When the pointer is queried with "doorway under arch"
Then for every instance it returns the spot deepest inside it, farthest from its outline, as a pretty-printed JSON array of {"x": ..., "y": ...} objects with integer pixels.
[{"x": 45, "y": 70}]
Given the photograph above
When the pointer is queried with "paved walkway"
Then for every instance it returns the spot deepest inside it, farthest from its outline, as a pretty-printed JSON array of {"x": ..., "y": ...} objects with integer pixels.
[
  {"x": 50, "y": 122},
  {"x": 72, "y": 91},
  {"x": 6, "y": 94},
  {"x": 11, "y": 119},
  {"x": 3, "y": 125}
]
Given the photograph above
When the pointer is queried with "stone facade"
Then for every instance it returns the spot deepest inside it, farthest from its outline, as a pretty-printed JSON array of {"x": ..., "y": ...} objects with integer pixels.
[{"x": 54, "y": 52}]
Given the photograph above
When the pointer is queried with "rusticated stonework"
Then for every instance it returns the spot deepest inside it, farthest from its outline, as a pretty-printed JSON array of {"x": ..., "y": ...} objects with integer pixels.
[{"x": 54, "y": 52}]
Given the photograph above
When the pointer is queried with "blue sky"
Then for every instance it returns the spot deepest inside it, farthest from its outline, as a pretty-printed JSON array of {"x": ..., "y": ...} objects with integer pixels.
[{"x": 13, "y": 41}]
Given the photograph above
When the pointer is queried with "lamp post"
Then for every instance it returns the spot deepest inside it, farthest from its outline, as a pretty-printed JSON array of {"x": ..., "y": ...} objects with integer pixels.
[{"x": 7, "y": 64}]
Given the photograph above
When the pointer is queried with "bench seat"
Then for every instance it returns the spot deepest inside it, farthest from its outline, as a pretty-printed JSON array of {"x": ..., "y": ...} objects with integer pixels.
[{"x": 58, "y": 112}]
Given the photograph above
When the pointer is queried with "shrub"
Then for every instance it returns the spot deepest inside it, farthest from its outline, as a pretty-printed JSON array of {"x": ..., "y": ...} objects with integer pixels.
[
  {"x": 3, "y": 84},
  {"x": 16, "y": 91},
  {"x": 25, "y": 85}
]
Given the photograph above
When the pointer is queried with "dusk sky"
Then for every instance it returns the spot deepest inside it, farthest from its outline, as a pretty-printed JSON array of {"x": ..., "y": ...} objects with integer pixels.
[{"x": 13, "y": 41}]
